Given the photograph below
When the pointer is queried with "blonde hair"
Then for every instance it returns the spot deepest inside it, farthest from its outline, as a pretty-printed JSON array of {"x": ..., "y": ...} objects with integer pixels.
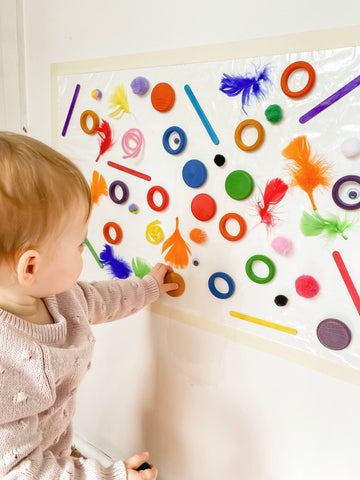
[{"x": 38, "y": 187}]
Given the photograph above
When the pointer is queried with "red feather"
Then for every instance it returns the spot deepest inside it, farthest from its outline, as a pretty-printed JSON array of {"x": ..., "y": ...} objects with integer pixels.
[
  {"x": 106, "y": 137},
  {"x": 275, "y": 191}
]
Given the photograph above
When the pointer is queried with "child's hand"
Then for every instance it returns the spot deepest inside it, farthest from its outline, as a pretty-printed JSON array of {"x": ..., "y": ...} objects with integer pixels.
[
  {"x": 134, "y": 462},
  {"x": 159, "y": 272}
]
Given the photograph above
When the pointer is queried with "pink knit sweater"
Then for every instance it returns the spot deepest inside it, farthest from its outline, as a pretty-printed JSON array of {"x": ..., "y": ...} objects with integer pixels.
[{"x": 41, "y": 367}]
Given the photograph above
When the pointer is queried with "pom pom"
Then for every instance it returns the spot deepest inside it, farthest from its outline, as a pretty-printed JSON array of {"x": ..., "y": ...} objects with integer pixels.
[
  {"x": 96, "y": 94},
  {"x": 306, "y": 286},
  {"x": 197, "y": 235},
  {"x": 351, "y": 147},
  {"x": 133, "y": 208},
  {"x": 140, "y": 85},
  {"x": 118, "y": 267},
  {"x": 140, "y": 267},
  {"x": 274, "y": 113},
  {"x": 219, "y": 160},
  {"x": 250, "y": 86},
  {"x": 281, "y": 300},
  {"x": 281, "y": 245}
]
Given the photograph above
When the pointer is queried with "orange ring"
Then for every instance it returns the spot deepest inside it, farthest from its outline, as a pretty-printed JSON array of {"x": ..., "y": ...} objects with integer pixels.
[
  {"x": 83, "y": 122},
  {"x": 224, "y": 232},
  {"x": 118, "y": 231},
  {"x": 288, "y": 71},
  {"x": 240, "y": 128}
]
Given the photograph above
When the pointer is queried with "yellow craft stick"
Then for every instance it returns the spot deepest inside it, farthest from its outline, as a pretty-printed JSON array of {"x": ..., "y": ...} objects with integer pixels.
[{"x": 264, "y": 323}]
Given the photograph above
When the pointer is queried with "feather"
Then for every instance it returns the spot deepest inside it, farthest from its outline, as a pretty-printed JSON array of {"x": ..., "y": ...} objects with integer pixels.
[
  {"x": 275, "y": 191},
  {"x": 314, "y": 224},
  {"x": 98, "y": 187},
  {"x": 249, "y": 86},
  {"x": 140, "y": 267},
  {"x": 118, "y": 267},
  {"x": 106, "y": 138},
  {"x": 308, "y": 171},
  {"x": 178, "y": 249},
  {"x": 119, "y": 99}
]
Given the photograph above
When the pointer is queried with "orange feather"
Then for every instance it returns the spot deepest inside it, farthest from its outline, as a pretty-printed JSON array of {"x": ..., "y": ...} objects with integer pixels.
[
  {"x": 98, "y": 187},
  {"x": 178, "y": 250},
  {"x": 308, "y": 171}
]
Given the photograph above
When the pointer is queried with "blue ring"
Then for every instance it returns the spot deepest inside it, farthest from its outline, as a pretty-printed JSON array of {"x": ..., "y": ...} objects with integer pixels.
[
  {"x": 227, "y": 279},
  {"x": 182, "y": 143}
]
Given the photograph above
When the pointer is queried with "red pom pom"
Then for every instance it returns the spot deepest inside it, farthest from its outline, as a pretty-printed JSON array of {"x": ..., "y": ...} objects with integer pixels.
[{"x": 306, "y": 286}]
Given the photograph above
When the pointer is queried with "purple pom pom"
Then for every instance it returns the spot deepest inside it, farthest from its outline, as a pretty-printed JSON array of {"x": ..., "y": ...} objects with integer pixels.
[{"x": 140, "y": 85}]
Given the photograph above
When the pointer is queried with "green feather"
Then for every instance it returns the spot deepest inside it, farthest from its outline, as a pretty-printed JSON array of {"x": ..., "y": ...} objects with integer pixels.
[
  {"x": 314, "y": 224},
  {"x": 140, "y": 267}
]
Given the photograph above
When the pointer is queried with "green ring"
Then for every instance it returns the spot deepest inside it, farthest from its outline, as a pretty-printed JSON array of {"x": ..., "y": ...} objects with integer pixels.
[{"x": 251, "y": 274}]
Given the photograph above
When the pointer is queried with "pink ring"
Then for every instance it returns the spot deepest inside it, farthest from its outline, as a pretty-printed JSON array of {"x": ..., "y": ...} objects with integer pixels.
[{"x": 130, "y": 137}]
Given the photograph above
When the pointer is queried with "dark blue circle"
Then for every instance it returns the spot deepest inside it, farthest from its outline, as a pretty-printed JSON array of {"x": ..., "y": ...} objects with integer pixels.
[
  {"x": 194, "y": 173},
  {"x": 166, "y": 136},
  {"x": 227, "y": 279}
]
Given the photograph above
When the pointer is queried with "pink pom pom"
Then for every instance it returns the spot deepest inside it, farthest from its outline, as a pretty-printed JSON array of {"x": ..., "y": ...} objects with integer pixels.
[
  {"x": 306, "y": 286},
  {"x": 281, "y": 245}
]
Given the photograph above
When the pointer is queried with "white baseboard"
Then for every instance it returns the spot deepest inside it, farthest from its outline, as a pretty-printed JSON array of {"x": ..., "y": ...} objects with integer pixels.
[{"x": 89, "y": 451}]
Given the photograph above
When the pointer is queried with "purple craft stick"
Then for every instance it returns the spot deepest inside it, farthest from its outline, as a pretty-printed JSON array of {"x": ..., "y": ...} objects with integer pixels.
[
  {"x": 67, "y": 121},
  {"x": 330, "y": 100}
]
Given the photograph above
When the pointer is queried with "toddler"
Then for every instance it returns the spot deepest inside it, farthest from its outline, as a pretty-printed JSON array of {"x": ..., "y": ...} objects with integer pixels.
[{"x": 46, "y": 341}]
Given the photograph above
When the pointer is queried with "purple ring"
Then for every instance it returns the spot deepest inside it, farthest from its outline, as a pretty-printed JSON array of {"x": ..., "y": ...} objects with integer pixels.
[
  {"x": 336, "y": 188},
  {"x": 112, "y": 190}
]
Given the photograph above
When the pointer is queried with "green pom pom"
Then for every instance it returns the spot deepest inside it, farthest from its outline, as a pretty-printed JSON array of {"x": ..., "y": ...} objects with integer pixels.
[
  {"x": 140, "y": 267},
  {"x": 274, "y": 113}
]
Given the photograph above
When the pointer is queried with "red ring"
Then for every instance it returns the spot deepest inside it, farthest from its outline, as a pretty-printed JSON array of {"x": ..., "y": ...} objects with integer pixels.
[
  {"x": 165, "y": 198},
  {"x": 224, "y": 232},
  {"x": 288, "y": 71},
  {"x": 118, "y": 231}
]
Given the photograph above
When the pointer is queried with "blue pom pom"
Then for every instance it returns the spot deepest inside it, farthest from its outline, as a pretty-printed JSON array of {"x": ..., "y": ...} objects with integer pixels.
[
  {"x": 255, "y": 86},
  {"x": 118, "y": 267}
]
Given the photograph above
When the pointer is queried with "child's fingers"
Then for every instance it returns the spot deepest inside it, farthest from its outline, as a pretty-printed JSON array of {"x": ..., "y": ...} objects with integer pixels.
[
  {"x": 136, "y": 460},
  {"x": 168, "y": 287}
]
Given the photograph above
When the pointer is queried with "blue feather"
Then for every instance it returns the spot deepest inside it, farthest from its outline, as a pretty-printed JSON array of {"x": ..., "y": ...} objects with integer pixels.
[
  {"x": 118, "y": 267},
  {"x": 255, "y": 86}
]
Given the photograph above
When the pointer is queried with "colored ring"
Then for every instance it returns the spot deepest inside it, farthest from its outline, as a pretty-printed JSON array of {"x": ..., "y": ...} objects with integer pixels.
[
  {"x": 112, "y": 192},
  {"x": 240, "y": 128},
  {"x": 225, "y": 233},
  {"x": 251, "y": 274},
  {"x": 182, "y": 144},
  {"x": 118, "y": 232},
  {"x": 336, "y": 188},
  {"x": 165, "y": 198},
  {"x": 288, "y": 71},
  {"x": 227, "y": 279},
  {"x": 83, "y": 122}
]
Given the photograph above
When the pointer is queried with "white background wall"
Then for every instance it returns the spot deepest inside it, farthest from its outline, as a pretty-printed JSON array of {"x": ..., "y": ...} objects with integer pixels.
[{"x": 205, "y": 407}]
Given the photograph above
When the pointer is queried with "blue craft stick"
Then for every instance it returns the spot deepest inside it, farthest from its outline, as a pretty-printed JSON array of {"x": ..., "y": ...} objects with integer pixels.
[
  {"x": 73, "y": 101},
  {"x": 201, "y": 114},
  {"x": 330, "y": 100}
]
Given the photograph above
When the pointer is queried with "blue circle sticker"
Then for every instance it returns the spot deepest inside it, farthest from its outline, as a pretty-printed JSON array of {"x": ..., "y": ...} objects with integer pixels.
[{"x": 194, "y": 173}]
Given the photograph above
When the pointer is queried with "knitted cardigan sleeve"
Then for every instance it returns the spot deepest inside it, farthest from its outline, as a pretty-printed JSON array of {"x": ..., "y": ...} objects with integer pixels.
[{"x": 26, "y": 391}]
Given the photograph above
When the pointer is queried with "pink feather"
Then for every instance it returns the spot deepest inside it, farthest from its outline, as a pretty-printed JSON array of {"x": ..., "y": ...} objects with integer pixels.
[
  {"x": 275, "y": 191},
  {"x": 106, "y": 138}
]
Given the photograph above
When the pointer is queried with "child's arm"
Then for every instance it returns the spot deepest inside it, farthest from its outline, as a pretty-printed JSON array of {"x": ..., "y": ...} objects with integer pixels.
[{"x": 110, "y": 300}]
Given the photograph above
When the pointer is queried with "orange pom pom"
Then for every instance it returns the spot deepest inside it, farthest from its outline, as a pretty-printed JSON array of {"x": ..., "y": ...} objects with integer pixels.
[{"x": 197, "y": 235}]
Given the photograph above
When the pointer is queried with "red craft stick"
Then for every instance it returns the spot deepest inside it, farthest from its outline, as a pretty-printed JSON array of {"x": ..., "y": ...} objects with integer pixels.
[
  {"x": 347, "y": 280},
  {"x": 130, "y": 170}
]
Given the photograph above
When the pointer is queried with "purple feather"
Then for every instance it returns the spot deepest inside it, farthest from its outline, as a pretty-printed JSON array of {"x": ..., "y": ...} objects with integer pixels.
[
  {"x": 249, "y": 86},
  {"x": 118, "y": 267}
]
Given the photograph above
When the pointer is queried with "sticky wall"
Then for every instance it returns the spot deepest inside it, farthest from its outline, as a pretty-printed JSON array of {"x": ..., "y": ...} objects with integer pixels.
[{"x": 311, "y": 256}]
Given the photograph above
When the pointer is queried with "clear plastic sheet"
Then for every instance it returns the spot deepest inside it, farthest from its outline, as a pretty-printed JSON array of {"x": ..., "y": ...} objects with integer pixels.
[{"x": 309, "y": 255}]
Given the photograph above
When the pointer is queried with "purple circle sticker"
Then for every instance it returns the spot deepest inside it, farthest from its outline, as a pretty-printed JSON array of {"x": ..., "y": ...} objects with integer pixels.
[{"x": 333, "y": 334}]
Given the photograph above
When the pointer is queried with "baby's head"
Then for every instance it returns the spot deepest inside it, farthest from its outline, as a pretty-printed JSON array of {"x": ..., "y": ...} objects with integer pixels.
[{"x": 40, "y": 190}]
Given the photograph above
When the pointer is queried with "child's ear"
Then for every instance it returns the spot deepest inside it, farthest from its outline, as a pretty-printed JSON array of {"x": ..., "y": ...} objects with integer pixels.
[{"x": 27, "y": 267}]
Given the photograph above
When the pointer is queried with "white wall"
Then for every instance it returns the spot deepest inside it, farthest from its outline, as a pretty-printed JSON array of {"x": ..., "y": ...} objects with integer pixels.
[{"x": 204, "y": 406}]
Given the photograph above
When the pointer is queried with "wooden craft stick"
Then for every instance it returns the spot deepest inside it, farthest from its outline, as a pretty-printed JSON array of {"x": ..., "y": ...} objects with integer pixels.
[
  {"x": 71, "y": 109},
  {"x": 347, "y": 280},
  {"x": 130, "y": 170},
  {"x": 264, "y": 323}
]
